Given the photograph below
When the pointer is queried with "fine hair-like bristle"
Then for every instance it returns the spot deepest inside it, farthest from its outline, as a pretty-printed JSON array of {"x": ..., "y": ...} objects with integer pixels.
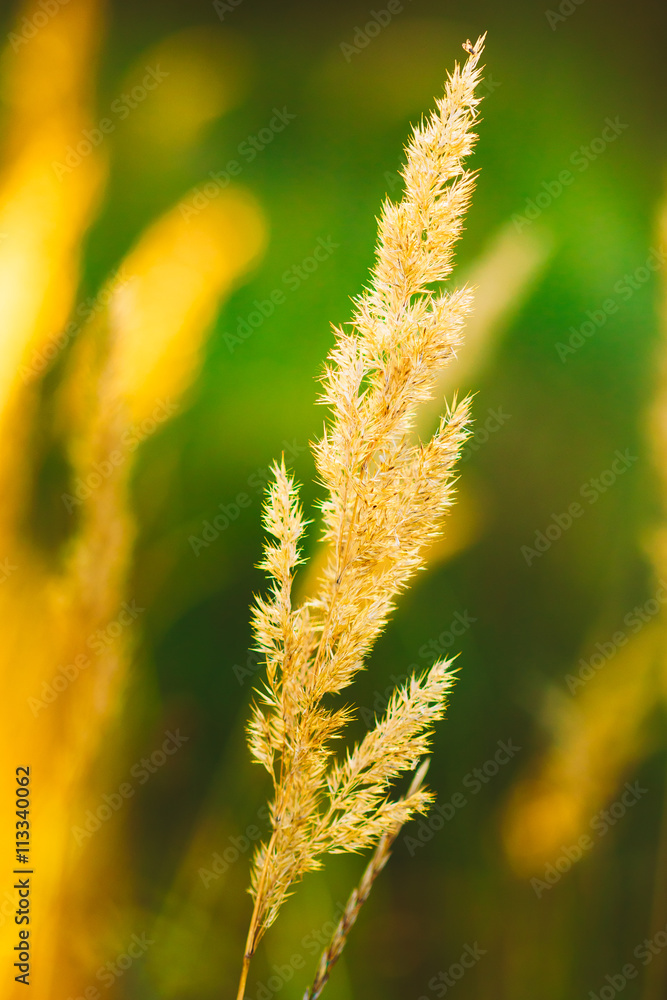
[
  {"x": 358, "y": 897},
  {"x": 385, "y": 499}
]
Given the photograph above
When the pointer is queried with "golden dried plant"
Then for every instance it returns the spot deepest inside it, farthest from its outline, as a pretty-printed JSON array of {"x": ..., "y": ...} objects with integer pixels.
[
  {"x": 386, "y": 497},
  {"x": 142, "y": 347},
  {"x": 504, "y": 274}
]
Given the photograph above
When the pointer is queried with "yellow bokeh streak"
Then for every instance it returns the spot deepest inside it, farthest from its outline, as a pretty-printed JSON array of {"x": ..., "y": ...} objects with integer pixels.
[{"x": 61, "y": 688}]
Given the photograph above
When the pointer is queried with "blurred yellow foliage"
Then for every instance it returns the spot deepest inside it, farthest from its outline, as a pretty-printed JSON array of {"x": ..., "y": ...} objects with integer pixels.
[
  {"x": 597, "y": 733},
  {"x": 68, "y": 625},
  {"x": 601, "y": 730}
]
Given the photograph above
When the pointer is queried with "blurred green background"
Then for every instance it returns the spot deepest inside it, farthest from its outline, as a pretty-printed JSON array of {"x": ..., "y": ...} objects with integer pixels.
[{"x": 553, "y": 83}]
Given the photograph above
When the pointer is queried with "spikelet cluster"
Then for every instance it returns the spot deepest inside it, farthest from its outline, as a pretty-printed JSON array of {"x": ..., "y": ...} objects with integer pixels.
[
  {"x": 385, "y": 498},
  {"x": 358, "y": 897}
]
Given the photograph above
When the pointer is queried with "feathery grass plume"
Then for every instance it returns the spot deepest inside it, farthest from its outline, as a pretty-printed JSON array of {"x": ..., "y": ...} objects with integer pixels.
[
  {"x": 503, "y": 276},
  {"x": 358, "y": 897},
  {"x": 386, "y": 497}
]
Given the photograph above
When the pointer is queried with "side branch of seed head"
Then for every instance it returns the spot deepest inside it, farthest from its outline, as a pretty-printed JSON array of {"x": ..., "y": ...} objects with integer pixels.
[{"x": 385, "y": 498}]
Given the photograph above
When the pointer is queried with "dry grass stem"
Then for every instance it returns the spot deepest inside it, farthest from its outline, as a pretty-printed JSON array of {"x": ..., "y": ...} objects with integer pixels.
[
  {"x": 358, "y": 897},
  {"x": 385, "y": 500}
]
